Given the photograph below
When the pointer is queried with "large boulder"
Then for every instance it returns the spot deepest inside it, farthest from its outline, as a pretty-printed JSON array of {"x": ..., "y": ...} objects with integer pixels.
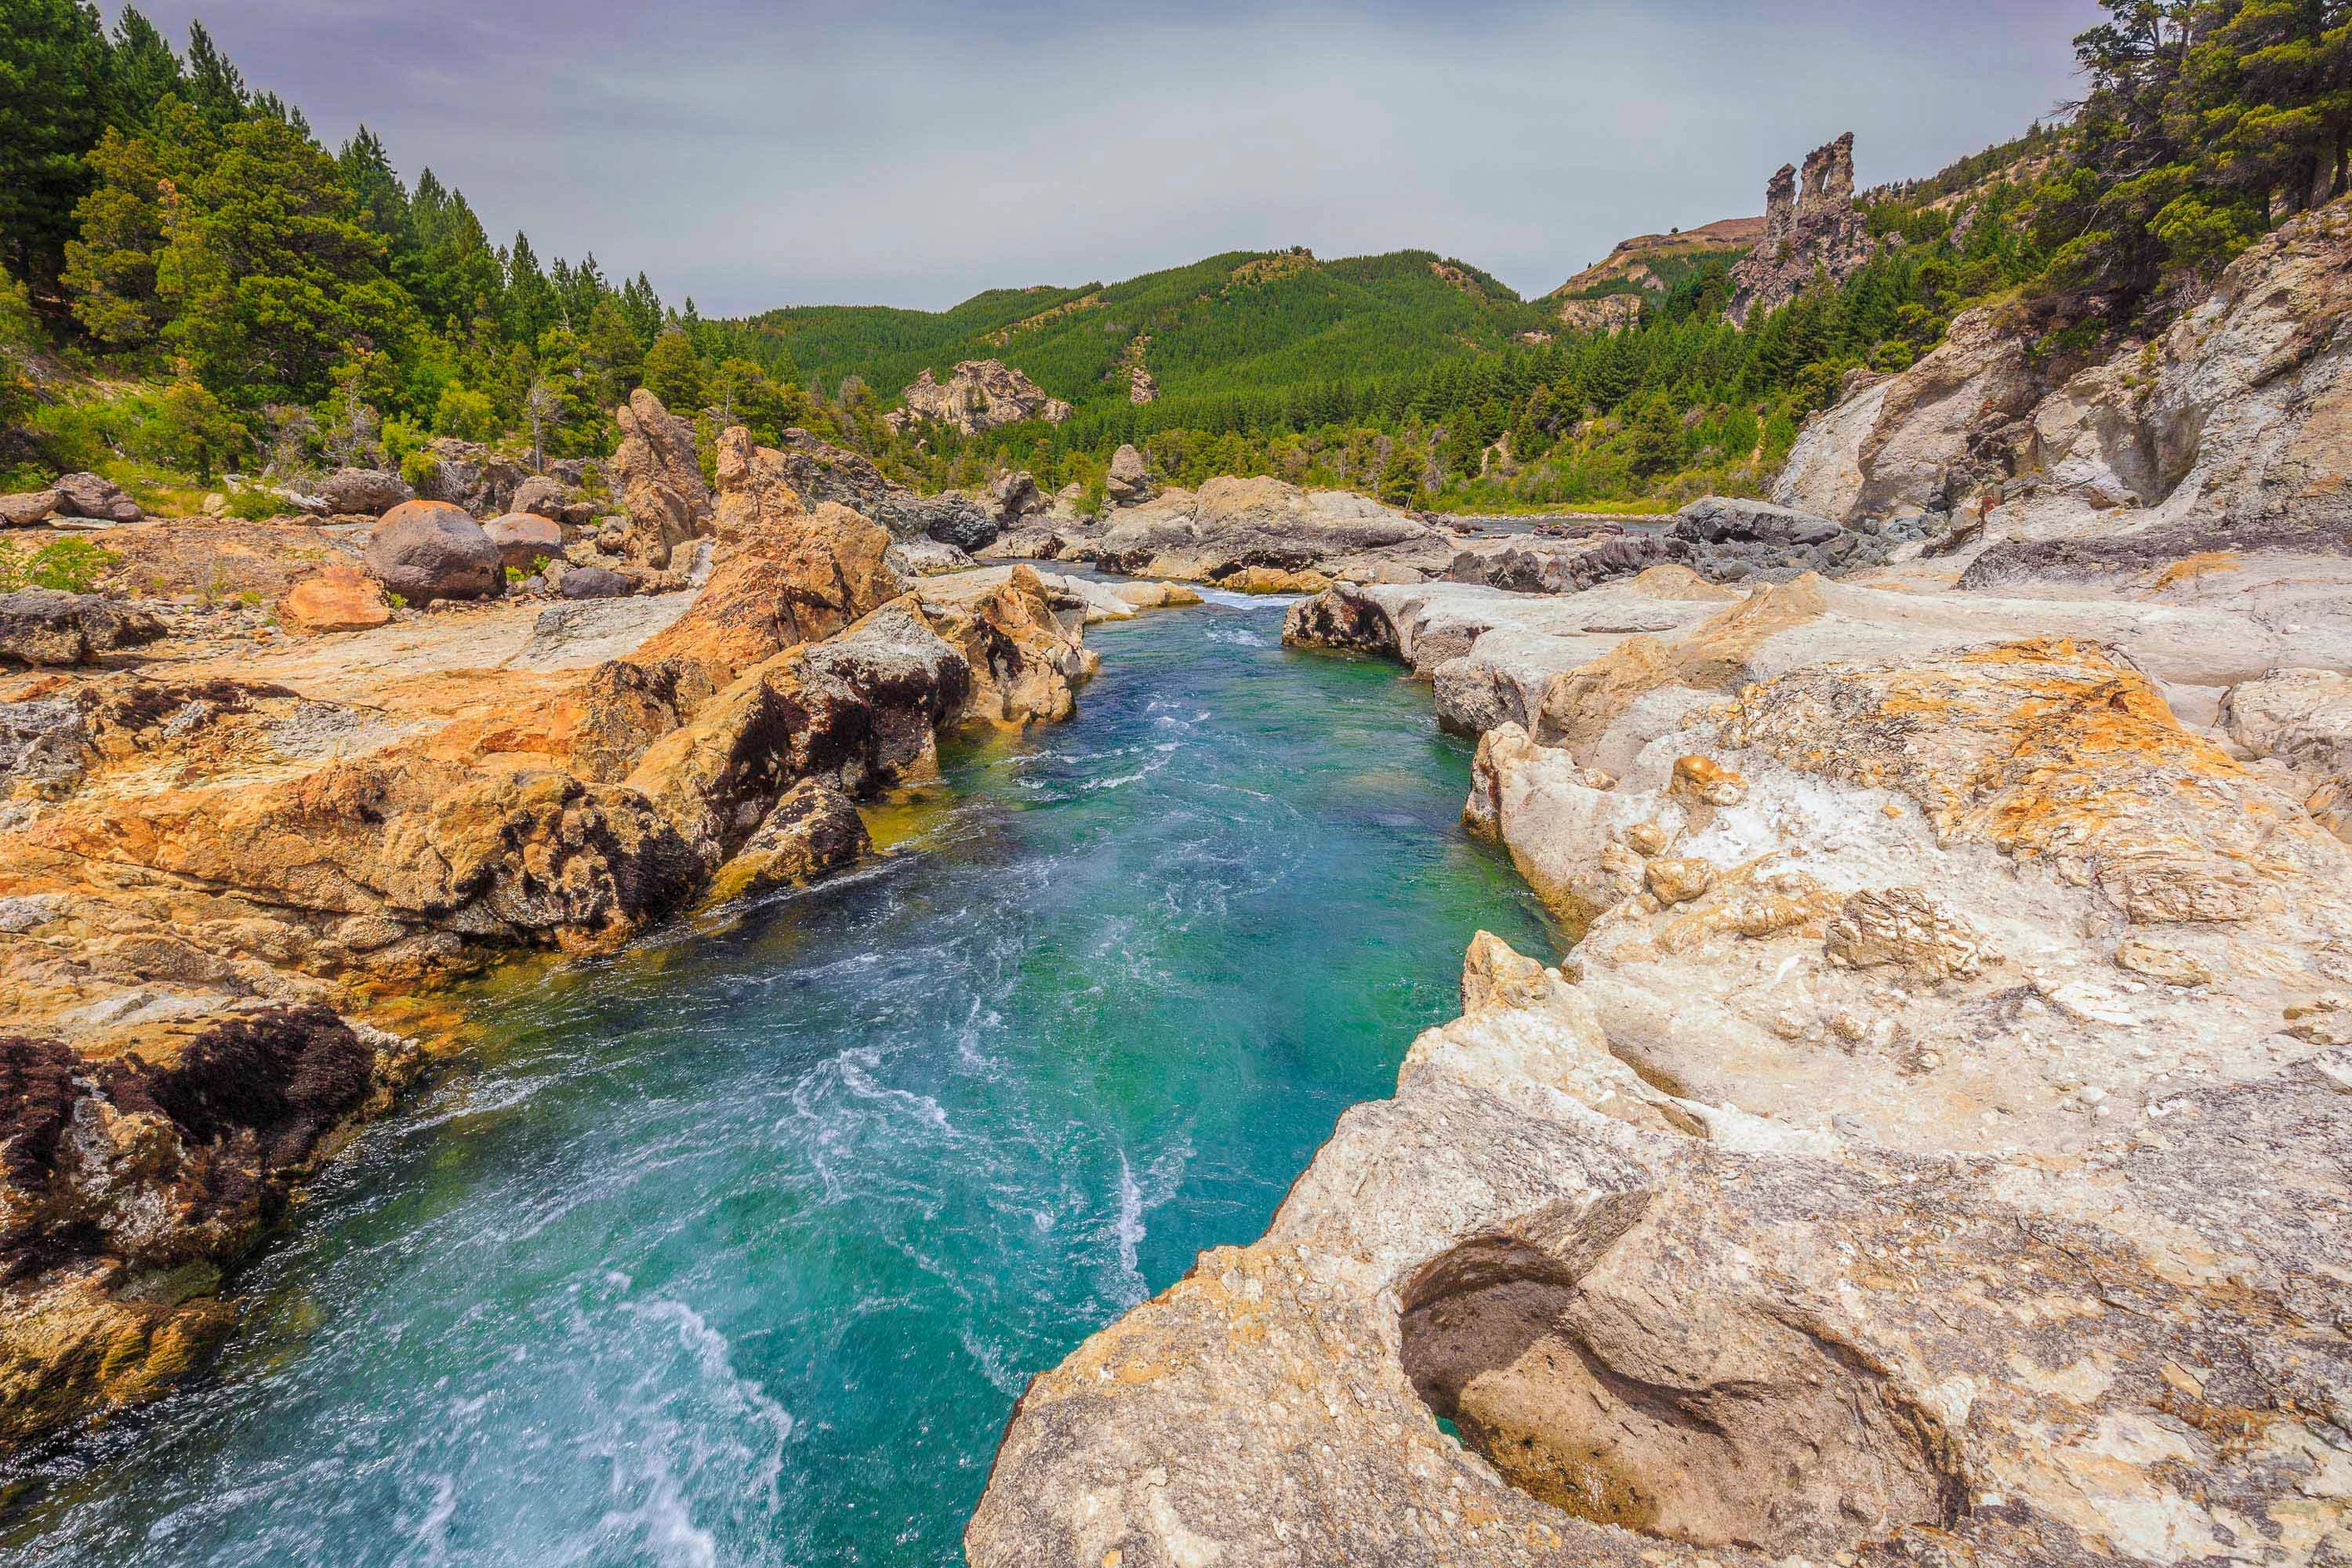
[
  {"x": 88, "y": 495},
  {"x": 1026, "y": 663},
  {"x": 1721, "y": 520},
  {"x": 338, "y": 598},
  {"x": 1016, "y": 496},
  {"x": 1130, "y": 480},
  {"x": 43, "y": 626},
  {"x": 541, "y": 497},
  {"x": 26, "y": 508},
  {"x": 593, "y": 583},
  {"x": 525, "y": 539},
  {"x": 659, "y": 478},
  {"x": 363, "y": 492},
  {"x": 813, "y": 829},
  {"x": 428, "y": 549}
]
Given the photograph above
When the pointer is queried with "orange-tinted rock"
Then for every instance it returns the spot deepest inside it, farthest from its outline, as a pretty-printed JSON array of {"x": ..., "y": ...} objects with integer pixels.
[{"x": 340, "y": 598}]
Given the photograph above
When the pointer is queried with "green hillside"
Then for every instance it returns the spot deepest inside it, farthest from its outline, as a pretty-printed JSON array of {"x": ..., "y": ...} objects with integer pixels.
[{"x": 1252, "y": 325}]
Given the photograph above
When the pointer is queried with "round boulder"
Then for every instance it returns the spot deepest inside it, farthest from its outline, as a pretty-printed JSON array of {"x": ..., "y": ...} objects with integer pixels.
[
  {"x": 525, "y": 539},
  {"x": 594, "y": 582},
  {"x": 428, "y": 549}
]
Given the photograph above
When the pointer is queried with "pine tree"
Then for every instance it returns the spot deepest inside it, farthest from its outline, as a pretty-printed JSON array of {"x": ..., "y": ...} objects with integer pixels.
[
  {"x": 611, "y": 352},
  {"x": 530, "y": 303},
  {"x": 674, "y": 372},
  {"x": 126, "y": 221},
  {"x": 214, "y": 86},
  {"x": 54, "y": 98},
  {"x": 143, "y": 72},
  {"x": 366, "y": 171},
  {"x": 273, "y": 273}
]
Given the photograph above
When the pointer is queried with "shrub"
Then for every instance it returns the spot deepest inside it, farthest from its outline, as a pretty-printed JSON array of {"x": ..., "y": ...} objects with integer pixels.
[
  {"x": 254, "y": 505},
  {"x": 69, "y": 565},
  {"x": 422, "y": 470}
]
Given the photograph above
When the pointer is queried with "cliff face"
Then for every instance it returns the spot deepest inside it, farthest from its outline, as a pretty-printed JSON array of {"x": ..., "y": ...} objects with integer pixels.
[
  {"x": 1811, "y": 232},
  {"x": 2226, "y": 432}
]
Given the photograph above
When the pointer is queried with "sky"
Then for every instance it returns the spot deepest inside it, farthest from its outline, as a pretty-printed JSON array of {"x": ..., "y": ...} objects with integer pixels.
[{"x": 914, "y": 153}]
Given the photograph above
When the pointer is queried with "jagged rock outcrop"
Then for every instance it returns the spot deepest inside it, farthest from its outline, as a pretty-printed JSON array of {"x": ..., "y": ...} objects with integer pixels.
[
  {"x": 471, "y": 474},
  {"x": 1603, "y": 313},
  {"x": 978, "y": 394},
  {"x": 1142, "y": 386},
  {"x": 1812, "y": 232},
  {"x": 820, "y": 472},
  {"x": 1130, "y": 480},
  {"x": 47, "y": 627},
  {"x": 1931, "y": 1151},
  {"x": 2224, "y": 433},
  {"x": 658, "y": 479},
  {"x": 1913, "y": 440}
]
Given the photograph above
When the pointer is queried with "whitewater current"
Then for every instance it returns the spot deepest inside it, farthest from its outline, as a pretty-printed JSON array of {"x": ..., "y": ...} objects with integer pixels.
[{"x": 739, "y": 1246}]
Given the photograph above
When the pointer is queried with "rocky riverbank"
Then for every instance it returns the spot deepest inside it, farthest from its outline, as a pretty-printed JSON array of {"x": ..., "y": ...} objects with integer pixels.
[
  {"x": 234, "y": 863},
  {"x": 1936, "y": 1143}
]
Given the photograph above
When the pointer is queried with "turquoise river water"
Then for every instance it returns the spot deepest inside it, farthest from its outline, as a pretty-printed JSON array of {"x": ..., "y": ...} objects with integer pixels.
[{"x": 738, "y": 1247}]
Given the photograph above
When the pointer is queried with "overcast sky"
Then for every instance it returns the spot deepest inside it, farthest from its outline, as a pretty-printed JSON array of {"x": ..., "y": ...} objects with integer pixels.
[{"x": 882, "y": 152}]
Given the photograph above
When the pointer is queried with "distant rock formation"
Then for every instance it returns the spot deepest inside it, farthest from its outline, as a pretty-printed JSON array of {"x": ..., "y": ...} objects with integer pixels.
[
  {"x": 1609, "y": 313},
  {"x": 1634, "y": 260},
  {"x": 1142, "y": 388},
  {"x": 978, "y": 394},
  {"x": 1813, "y": 231}
]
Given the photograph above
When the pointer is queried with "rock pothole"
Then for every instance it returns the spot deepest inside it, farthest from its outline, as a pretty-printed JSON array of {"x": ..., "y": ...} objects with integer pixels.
[{"x": 1714, "y": 1421}]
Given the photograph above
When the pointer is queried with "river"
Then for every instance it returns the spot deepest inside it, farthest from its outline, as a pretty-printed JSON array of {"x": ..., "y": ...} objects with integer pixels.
[{"x": 737, "y": 1248}]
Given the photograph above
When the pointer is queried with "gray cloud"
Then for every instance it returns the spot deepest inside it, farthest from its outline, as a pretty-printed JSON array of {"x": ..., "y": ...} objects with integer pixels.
[{"x": 753, "y": 154}]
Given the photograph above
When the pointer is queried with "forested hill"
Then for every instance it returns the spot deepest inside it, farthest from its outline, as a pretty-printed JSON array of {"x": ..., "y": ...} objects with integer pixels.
[
  {"x": 1246, "y": 326},
  {"x": 191, "y": 283}
]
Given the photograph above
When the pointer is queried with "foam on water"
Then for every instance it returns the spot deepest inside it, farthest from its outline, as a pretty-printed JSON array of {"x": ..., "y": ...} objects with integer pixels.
[{"x": 737, "y": 1248}]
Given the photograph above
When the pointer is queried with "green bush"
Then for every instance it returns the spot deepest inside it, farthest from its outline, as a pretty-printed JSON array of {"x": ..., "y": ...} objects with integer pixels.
[
  {"x": 422, "y": 470},
  {"x": 69, "y": 565},
  {"x": 258, "y": 506}
]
